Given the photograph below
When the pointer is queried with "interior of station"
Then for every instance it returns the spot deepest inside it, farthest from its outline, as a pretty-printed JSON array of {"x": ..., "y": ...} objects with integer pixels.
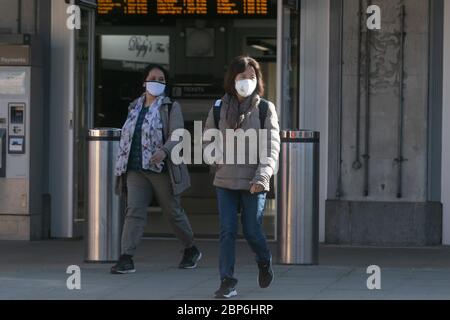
[{"x": 195, "y": 49}]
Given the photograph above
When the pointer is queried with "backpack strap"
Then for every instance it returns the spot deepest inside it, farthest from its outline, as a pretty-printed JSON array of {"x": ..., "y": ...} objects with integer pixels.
[
  {"x": 263, "y": 109},
  {"x": 169, "y": 105},
  {"x": 167, "y": 102},
  {"x": 216, "y": 111}
]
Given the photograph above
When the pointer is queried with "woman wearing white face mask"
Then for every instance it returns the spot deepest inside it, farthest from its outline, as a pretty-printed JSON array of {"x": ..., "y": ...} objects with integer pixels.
[
  {"x": 243, "y": 187},
  {"x": 144, "y": 163}
]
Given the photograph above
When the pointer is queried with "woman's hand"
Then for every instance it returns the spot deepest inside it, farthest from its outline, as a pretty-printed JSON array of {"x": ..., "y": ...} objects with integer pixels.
[
  {"x": 158, "y": 157},
  {"x": 256, "y": 188}
]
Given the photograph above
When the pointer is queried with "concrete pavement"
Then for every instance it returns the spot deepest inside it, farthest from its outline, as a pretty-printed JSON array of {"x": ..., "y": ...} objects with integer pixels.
[{"x": 37, "y": 270}]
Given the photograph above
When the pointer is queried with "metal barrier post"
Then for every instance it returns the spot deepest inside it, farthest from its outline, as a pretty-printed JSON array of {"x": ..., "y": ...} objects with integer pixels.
[
  {"x": 103, "y": 228},
  {"x": 298, "y": 198}
]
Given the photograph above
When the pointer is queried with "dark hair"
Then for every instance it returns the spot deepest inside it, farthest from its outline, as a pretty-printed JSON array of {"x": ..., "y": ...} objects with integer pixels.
[
  {"x": 239, "y": 65},
  {"x": 152, "y": 66}
]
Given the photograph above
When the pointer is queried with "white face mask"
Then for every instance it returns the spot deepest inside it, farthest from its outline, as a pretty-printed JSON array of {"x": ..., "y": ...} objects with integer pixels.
[
  {"x": 155, "y": 88},
  {"x": 245, "y": 88}
]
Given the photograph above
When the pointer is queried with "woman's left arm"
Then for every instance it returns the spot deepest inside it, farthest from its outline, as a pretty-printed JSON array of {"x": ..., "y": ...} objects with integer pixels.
[{"x": 270, "y": 151}]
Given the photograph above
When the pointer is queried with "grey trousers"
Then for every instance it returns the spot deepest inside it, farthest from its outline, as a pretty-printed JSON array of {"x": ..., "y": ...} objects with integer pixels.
[{"x": 142, "y": 187}]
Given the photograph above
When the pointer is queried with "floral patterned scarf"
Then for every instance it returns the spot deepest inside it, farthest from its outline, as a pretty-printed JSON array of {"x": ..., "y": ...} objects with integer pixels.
[{"x": 152, "y": 136}]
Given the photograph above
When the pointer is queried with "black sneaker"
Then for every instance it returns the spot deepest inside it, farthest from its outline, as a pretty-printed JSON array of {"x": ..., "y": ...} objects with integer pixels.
[
  {"x": 124, "y": 265},
  {"x": 265, "y": 276},
  {"x": 190, "y": 258},
  {"x": 227, "y": 289}
]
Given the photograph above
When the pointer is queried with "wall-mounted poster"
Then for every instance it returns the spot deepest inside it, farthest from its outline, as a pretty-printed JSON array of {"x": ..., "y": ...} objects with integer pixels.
[{"x": 134, "y": 51}]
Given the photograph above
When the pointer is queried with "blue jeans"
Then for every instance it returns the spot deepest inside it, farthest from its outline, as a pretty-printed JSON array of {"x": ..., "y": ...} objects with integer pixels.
[{"x": 252, "y": 210}]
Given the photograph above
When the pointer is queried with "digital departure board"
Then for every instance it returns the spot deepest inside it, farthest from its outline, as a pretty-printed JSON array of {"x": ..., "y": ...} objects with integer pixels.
[{"x": 117, "y": 10}]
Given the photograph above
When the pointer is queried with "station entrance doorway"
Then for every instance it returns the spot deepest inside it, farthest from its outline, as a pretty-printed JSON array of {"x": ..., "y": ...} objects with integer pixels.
[{"x": 196, "y": 50}]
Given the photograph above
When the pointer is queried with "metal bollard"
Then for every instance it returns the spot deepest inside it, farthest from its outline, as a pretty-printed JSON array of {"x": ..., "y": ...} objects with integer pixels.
[
  {"x": 298, "y": 198},
  {"x": 103, "y": 228}
]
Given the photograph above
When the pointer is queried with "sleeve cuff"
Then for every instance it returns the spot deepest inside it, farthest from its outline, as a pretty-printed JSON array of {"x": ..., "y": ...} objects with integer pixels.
[{"x": 263, "y": 181}]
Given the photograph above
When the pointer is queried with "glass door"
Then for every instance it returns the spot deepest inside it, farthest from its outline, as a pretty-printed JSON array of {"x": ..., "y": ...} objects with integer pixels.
[
  {"x": 288, "y": 70},
  {"x": 83, "y": 111},
  {"x": 289, "y": 62}
]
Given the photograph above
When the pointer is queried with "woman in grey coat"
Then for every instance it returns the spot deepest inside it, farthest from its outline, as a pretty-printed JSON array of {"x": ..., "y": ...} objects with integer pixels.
[
  {"x": 242, "y": 187},
  {"x": 144, "y": 163}
]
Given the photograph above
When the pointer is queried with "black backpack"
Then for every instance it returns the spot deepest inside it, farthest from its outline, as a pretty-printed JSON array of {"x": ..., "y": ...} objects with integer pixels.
[{"x": 263, "y": 109}]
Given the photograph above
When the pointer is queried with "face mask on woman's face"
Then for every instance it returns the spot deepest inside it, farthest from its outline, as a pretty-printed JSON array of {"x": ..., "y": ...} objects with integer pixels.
[
  {"x": 245, "y": 88},
  {"x": 155, "y": 88}
]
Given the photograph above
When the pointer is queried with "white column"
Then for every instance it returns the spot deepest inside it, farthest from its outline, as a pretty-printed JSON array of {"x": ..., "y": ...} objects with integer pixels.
[
  {"x": 61, "y": 117},
  {"x": 314, "y": 80},
  {"x": 446, "y": 129}
]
